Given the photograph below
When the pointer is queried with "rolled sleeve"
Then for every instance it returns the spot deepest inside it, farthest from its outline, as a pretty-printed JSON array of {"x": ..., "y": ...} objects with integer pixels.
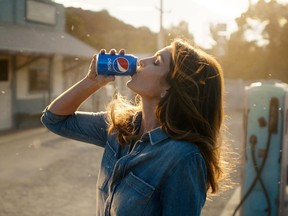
[
  {"x": 184, "y": 191},
  {"x": 83, "y": 126}
]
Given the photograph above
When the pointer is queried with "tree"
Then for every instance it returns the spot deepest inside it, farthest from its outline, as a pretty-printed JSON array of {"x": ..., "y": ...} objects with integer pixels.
[
  {"x": 259, "y": 48},
  {"x": 100, "y": 30},
  {"x": 181, "y": 31}
]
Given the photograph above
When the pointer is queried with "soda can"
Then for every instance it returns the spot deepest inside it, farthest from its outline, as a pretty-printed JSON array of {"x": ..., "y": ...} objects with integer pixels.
[{"x": 116, "y": 64}]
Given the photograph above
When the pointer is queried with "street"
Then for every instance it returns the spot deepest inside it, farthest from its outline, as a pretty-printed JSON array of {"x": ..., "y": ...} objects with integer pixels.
[{"x": 43, "y": 174}]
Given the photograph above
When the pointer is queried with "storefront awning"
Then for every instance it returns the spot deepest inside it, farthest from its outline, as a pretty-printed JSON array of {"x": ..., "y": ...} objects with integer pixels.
[{"x": 27, "y": 40}]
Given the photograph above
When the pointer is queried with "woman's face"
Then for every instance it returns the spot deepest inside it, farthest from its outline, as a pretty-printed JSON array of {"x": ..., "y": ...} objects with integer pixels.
[{"x": 150, "y": 78}]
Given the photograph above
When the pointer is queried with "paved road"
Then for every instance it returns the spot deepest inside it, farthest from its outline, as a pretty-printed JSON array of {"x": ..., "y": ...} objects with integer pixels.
[{"x": 42, "y": 174}]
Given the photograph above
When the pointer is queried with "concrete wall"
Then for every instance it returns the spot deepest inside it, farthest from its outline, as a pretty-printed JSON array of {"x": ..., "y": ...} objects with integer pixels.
[
  {"x": 14, "y": 12},
  {"x": 6, "y": 99},
  {"x": 57, "y": 78}
]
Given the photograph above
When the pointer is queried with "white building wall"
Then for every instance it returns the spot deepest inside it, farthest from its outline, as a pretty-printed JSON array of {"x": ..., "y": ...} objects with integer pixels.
[
  {"x": 6, "y": 120},
  {"x": 57, "y": 76},
  {"x": 22, "y": 77}
]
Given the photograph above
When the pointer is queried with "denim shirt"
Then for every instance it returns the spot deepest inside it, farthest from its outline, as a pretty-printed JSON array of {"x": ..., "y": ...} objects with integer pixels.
[{"x": 159, "y": 176}]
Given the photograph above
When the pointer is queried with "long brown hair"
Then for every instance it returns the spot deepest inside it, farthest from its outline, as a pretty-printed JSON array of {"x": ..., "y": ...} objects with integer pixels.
[{"x": 191, "y": 110}]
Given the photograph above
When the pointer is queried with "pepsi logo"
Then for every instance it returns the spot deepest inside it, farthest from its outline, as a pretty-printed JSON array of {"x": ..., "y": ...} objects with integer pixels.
[{"x": 121, "y": 65}]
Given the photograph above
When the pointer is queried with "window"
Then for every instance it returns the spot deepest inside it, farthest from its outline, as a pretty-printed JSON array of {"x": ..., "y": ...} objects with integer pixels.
[
  {"x": 41, "y": 12},
  {"x": 38, "y": 79},
  {"x": 4, "y": 70}
]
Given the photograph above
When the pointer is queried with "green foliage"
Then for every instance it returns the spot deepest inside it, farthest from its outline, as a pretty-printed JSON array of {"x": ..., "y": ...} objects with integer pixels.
[
  {"x": 264, "y": 57},
  {"x": 100, "y": 30}
]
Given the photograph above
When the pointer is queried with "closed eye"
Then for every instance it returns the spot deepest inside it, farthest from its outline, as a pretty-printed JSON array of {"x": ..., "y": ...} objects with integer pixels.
[
  {"x": 157, "y": 59},
  {"x": 156, "y": 62}
]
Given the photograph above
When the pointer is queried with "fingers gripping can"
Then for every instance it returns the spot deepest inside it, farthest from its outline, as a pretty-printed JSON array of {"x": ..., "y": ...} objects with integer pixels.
[{"x": 116, "y": 64}]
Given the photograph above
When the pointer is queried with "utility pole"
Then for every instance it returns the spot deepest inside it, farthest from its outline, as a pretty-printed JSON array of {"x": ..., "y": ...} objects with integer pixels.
[{"x": 160, "y": 43}]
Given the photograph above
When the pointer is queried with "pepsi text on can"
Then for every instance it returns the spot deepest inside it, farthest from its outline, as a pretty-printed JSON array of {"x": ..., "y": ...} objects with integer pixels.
[{"x": 116, "y": 64}]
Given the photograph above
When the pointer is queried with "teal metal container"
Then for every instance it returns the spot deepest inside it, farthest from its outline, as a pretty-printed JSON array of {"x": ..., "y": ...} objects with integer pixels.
[{"x": 264, "y": 169}]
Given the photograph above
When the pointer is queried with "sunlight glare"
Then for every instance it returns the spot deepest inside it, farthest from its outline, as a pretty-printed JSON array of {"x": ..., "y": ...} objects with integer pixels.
[{"x": 224, "y": 8}]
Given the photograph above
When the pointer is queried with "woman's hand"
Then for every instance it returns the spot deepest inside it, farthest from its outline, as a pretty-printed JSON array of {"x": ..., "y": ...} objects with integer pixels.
[
  {"x": 92, "y": 73},
  {"x": 100, "y": 80},
  {"x": 69, "y": 101}
]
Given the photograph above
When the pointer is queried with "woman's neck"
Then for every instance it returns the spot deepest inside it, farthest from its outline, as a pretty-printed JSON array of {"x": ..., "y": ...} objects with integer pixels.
[{"x": 149, "y": 120}]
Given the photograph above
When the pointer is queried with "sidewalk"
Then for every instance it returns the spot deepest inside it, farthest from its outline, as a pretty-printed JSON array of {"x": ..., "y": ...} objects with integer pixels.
[
  {"x": 44, "y": 174},
  {"x": 12, "y": 134},
  {"x": 232, "y": 203}
]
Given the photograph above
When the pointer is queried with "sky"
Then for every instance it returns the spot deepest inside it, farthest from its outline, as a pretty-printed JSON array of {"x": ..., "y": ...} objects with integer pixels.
[{"x": 199, "y": 14}]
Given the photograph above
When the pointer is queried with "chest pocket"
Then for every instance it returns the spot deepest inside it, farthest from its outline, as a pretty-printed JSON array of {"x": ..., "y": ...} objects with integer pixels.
[
  {"x": 139, "y": 185},
  {"x": 131, "y": 196},
  {"x": 107, "y": 165}
]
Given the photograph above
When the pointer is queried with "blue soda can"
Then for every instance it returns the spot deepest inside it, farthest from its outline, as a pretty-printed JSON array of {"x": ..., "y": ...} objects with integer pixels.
[{"x": 117, "y": 64}]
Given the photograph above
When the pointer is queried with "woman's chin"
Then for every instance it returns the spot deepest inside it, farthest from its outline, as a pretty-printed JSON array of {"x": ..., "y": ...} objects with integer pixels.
[
  {"x": 132, "y": 86},
  {"x": 128, "y": 84}
]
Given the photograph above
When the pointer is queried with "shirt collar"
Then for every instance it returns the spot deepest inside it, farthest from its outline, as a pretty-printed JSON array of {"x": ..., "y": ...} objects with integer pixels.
[{"x": 155, "y": 136}]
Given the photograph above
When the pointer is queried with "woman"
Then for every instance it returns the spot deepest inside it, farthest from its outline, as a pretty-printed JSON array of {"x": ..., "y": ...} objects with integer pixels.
[{"x": 162, "y": 154}]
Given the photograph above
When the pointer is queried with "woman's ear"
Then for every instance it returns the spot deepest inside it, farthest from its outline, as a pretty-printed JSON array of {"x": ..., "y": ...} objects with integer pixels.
[{"x": 163, "y": 94}]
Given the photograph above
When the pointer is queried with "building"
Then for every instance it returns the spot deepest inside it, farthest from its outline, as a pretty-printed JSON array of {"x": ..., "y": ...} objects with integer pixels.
[{"x": 38, "y": 60}]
